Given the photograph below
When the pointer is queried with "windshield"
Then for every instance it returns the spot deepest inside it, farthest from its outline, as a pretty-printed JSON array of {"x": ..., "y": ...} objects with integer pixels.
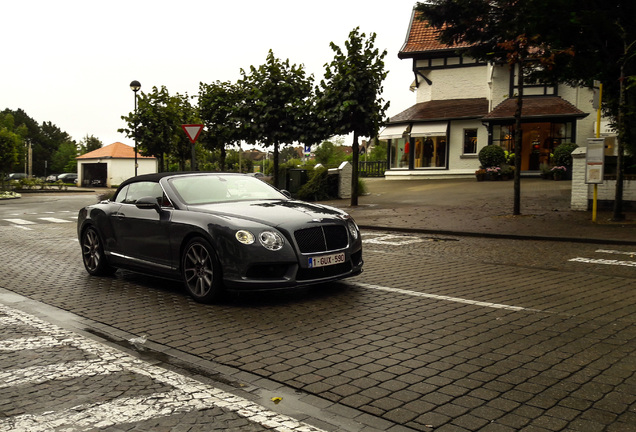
[{"x": 206, "y": 189}]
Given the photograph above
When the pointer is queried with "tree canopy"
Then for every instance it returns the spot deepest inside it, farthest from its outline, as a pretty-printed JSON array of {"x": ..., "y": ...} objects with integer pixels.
[
  {"x": 349, "y": 96},
  {"x": 276, "y": 105}
]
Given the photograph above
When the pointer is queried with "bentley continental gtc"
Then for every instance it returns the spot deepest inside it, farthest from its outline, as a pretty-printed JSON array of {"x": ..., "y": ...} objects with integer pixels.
[{"x": 217, "y": 232}]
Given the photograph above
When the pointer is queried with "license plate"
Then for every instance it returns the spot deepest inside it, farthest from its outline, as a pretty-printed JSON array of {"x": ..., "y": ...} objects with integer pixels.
[{"x": 326, "y": 260}]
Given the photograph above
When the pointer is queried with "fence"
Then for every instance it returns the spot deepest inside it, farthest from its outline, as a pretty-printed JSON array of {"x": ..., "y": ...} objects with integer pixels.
[{"x": 372, "y": 169}]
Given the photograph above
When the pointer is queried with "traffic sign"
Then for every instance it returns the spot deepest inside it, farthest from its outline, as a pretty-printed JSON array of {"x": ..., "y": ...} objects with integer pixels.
[{"x": 192, "y": 131}]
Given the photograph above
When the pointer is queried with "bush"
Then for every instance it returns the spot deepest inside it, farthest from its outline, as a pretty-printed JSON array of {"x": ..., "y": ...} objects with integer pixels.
[
  {"x": 492, "y": 155},
  {"x": 563, "y": 154},
  {"x": 317, "y": 187}
]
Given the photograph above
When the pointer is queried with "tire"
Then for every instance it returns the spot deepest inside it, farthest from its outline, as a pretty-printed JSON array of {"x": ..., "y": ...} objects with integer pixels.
[
  {"x": 201, "y": 271},
  {"x": 93, "y": 254}
]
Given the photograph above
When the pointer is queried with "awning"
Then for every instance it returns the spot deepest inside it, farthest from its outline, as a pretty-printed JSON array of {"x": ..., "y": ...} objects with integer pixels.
[
  {"x": 393, "y": 132},
  {"x": 429, "y": 129}
]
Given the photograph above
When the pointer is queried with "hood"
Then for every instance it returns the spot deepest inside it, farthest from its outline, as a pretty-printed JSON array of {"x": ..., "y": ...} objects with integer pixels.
[{"x": 273, "y": 212}]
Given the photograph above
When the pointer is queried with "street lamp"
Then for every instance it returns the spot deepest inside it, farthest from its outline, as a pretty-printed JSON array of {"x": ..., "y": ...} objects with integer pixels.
[{"x": 135, "y": 86}]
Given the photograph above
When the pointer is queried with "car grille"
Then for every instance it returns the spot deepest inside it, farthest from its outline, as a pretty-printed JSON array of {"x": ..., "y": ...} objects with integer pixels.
[{"x": 322, "y": 239}]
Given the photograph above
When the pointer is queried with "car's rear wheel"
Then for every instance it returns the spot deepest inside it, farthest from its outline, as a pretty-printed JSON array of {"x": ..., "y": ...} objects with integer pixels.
[
  {"x": 93, "y": 254},
  {"x": 201, "y": 271}
]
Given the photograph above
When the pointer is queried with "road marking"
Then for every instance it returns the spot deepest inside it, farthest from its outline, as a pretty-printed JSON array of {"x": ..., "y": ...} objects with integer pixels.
[
  {"x": 391, "y": 239},
  {"x": 20, "y": 221},
  {"x": 441, "y": 297},
  {"x": 187, "y": 394},
  {"x": 604, "y": 261},
  {"x": 616, "y": 252},
  {"x": 54, "y": 220}
]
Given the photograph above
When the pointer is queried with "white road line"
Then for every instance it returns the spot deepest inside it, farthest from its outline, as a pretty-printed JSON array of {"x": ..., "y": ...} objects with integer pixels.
[
  {"x": 54, "y": 220},
  {"x": 615, "y": 252},
  {"x": 441, "y": 297},
  {"x": 188, "y": 394},
  {"x": 39, "y": 374},
  {"x": 393, "y": 240},
  {"x": 20, "y": 221},
  {"x": 604, "y": 262}
]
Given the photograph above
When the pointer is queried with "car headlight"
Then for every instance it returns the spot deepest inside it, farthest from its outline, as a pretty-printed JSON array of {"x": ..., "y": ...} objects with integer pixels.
[
  {"x": 244, "y": 237},
  {"x": 353, "y": 229},
  {"x": 271, "y": 240}
]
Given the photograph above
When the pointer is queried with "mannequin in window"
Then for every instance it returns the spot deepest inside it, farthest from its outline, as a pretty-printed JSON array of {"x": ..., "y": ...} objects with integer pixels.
[
  {"x": 428, "y": 152},
  {"x": 441, "y": 153},
  {"x": 418, "y": 153}
]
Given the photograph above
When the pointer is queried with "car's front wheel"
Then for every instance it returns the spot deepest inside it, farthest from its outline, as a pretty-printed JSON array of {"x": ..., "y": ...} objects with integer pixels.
[
  {"x": 93, "y": 254},
  {"x": 201, "y": 271}
]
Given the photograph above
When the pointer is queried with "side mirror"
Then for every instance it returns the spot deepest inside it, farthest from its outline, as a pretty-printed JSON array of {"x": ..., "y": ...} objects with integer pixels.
[
  {"x": 147, "y": 203},
  {"x": 286, "y": 193}
]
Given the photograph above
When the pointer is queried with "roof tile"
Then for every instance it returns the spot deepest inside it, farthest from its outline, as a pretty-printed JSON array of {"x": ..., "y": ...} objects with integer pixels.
[{"x": 115, "y": 150}]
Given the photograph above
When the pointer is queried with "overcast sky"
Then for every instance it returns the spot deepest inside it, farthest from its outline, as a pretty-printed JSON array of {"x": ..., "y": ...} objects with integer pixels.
[{"x": 71, "y": 62}]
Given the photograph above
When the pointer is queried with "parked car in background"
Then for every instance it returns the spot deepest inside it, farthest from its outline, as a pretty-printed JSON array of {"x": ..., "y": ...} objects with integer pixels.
[
  {"x": 218, "y": 231},
  {"x": 68, "y": 178},
  {"x": 15, "y": 176},
  {"x": 52, "y": 178}
]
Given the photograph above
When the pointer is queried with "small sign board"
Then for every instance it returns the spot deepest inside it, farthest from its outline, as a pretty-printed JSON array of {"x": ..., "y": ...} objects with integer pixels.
[
  {"x": 595, "y": 161},
  {"x": 192, "y": 131}
]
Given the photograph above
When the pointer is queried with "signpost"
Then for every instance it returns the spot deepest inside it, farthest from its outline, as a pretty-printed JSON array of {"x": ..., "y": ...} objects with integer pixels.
[{"x": 193, "y": 131}]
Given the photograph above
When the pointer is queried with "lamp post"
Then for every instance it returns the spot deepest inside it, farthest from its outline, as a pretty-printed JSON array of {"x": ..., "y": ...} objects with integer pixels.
[{"x": 135, "y": 86}]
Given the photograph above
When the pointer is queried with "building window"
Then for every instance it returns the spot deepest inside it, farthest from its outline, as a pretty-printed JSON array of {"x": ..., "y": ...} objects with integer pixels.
[
  {"x": 470, "y": 141},
  {"x": 399, "y": 153},
  {"x": 430, "y": 152}
]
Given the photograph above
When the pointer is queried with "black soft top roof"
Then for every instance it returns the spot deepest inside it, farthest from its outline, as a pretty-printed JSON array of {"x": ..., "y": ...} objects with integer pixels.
[{"x": 155, "y": 177}]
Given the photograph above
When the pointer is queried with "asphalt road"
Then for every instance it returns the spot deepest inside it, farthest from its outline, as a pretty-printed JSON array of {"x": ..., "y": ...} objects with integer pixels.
[{"x": 438, "y": 333}]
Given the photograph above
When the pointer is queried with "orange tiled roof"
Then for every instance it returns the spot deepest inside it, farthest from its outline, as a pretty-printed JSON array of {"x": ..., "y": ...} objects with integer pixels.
[
  {"x": 115, "y": 150},
  {"x": 422, "y": 39}
]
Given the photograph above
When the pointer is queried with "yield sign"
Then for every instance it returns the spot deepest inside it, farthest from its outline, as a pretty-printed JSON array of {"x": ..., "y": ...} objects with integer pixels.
[{"x": 192, "y": 131}]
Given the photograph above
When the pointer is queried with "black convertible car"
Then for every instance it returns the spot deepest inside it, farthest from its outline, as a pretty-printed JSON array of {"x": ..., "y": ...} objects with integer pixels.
[{"x": 218, "y": 231}]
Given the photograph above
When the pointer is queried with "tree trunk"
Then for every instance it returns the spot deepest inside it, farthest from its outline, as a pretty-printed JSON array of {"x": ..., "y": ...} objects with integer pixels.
[
  {"x": 518, "y": 143},
  {"x": 276, "y": 165},
  {"x": 618, "y": 215},
  {"x": 354, "y": 173}
]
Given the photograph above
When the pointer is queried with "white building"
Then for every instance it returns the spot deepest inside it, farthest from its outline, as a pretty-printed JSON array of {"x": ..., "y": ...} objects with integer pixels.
[
  {"x": 463, "y": 105},
  {"x": 112, "y": 164}
]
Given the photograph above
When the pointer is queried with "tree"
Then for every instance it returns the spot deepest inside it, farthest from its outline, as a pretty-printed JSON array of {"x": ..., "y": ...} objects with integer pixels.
[
  {"x": 89, "y": 144},
  {"x": 330, "y": 154},
  {"x": 157, "y": 125},
  {"x": 219, "y": 108},
  {"x": 10, "y": 144},
  {"x": 277, "y": 105},
  {"x": 602, "y": 37},
  {"x": 63, "y": 159},
  {"x": 349, "y": 95}
]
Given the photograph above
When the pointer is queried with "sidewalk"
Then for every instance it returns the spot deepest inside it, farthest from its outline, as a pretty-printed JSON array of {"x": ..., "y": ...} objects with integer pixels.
[{"x": 468, "y": 207}]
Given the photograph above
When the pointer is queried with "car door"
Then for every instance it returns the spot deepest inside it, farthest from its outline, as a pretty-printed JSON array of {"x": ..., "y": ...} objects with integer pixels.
[{"x": 143, "y": 234}]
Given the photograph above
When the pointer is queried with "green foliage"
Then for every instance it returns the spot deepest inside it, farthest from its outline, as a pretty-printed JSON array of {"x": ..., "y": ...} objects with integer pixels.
[
  {"x": 378, "y": 152},
  {"x": 220, "y": 105},
  {"x": 563, "y": 154},
  {"x": 63, "y": 159},
  {"x": 277, "y": 106},
  {"x": 491, "y": 156},
  {"x": 329, "y": 154},
  {"x": 317, "y": 187},
  {"x": 89, "y": 144},
  {"x": 157, "y": 125},
  {"x": 9, "y": 148}
]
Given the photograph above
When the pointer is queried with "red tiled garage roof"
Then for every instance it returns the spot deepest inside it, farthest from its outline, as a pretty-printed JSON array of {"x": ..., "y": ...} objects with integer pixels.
[
  {"x": 535, "y": 107},
  {"x": 450, "y": 109},
  {"x": 115, "y": 150}
]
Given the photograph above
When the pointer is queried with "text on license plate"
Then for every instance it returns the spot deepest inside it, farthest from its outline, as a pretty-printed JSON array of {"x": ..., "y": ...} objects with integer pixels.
[{"x": 326, "y": 260}]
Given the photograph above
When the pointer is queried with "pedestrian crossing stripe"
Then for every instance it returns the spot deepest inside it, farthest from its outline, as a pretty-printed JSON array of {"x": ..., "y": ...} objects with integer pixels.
[
  {"x": 20, "y": 221},
  {"x": 54, "y": 220}
]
